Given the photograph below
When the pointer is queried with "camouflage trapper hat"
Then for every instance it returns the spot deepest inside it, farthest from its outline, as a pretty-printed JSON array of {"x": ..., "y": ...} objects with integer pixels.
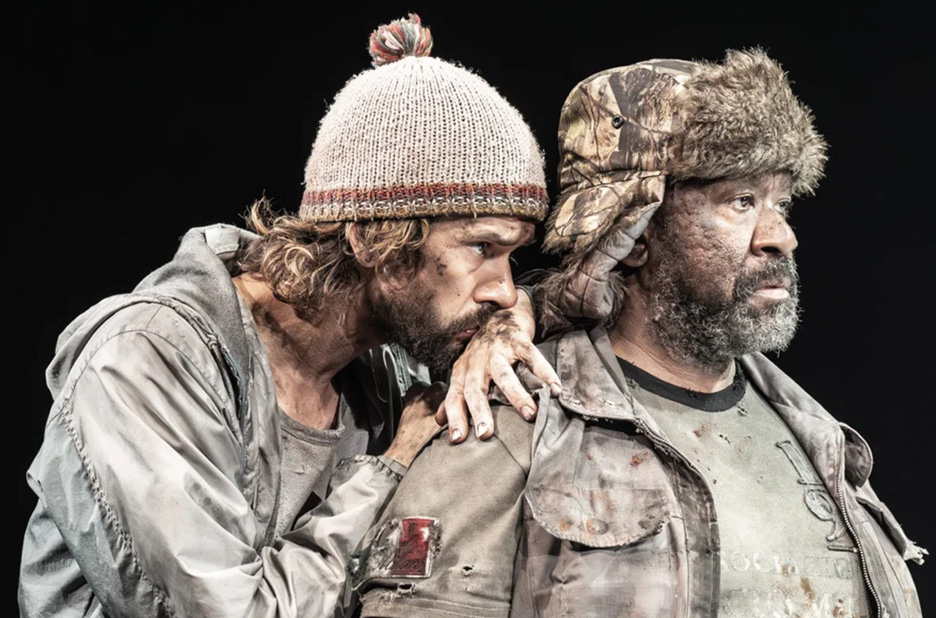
[{"x": 625, "y": 131}]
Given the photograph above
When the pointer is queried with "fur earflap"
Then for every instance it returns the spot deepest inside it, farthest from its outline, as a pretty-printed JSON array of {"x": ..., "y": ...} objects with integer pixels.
[{"x": 740, "y": 118}]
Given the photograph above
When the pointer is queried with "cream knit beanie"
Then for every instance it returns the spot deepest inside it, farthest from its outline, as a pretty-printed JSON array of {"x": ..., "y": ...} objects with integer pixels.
[{"x": 420, "y": 137}]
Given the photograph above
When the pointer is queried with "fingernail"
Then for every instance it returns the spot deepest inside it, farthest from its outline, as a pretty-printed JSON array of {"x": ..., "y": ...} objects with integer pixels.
[
  {"x": 481, "y": 429},
  {"x": 456, "y": 434},
  {"x": 527, "y": 412},
  {"x": 555, "y": 388}
]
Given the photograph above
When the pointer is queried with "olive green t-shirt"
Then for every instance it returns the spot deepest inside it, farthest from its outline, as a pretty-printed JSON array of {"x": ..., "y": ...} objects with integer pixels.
[{"x": 784, "y": 548}]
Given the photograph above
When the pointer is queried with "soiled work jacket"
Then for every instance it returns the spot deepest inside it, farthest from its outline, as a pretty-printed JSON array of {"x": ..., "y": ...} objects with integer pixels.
[
  {"x": 602, "y": 516},
  {"x": 159, "y": 474}
]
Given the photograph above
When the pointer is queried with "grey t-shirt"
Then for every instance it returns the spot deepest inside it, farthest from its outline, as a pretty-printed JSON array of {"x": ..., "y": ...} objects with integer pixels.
[
  {"x": 309, "y": 458},
  {"x": 784, "y": 548}
]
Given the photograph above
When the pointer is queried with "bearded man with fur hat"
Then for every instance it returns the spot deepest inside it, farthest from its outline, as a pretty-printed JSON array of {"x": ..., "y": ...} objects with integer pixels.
[{"x": 680, "y": 472}]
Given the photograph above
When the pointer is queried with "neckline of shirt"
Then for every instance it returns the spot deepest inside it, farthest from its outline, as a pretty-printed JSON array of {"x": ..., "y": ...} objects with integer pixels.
[{"x": 719, "y": 401}]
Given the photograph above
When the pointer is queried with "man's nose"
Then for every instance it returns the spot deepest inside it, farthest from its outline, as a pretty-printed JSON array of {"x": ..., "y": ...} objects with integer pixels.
[
  {"x": 773, "y": 234},
  {"x": 498, "y": 289}
]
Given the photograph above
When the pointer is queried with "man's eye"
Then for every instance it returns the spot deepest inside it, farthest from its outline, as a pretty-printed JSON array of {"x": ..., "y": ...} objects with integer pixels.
[
  {"x": 784, "y": 208},
  {"x": 742, "y": 202},
  {"x": 479, "y": 247}
]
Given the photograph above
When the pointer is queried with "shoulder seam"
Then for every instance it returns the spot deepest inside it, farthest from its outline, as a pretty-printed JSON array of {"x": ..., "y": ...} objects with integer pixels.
[
  {"x": 510, "y": 410},
  {"x": 73, "y": 381}
]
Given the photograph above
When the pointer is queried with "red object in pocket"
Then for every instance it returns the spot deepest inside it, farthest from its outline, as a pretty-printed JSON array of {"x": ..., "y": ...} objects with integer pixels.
[{"x": 414, "y": 553}]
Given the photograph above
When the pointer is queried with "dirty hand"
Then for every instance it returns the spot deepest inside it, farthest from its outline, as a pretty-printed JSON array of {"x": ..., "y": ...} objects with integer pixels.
[
  {"x": 417, "y": 422},
  {"x": 491, "y": 355}
]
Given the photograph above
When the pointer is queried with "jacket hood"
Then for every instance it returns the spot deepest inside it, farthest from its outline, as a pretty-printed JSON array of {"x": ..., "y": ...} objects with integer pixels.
[{"x": 197, "y": 282}]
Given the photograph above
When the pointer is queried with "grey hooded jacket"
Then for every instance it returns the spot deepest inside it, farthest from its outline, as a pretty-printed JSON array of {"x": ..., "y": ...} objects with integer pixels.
[
  {"x": 158, "y": 476},
  {"x": 546, "y": 523}
]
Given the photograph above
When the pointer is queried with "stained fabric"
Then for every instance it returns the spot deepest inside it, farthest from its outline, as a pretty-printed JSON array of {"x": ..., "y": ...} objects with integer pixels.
[
  {"x": 158, "y": 482},
  {"x": 784, "y": 546},
  {"x": 593, "y": 511}
]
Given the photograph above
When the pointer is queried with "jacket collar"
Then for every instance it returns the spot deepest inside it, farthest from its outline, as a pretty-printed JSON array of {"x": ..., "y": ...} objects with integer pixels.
[
  {"x": 595, "y": 387},
  {"x": 820, "y": 435}
]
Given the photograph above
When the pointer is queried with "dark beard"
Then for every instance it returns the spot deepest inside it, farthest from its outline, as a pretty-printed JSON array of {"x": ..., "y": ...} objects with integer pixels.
[
  {"x": 410, "y": 320},
  {"x": 710, "y": 332}
]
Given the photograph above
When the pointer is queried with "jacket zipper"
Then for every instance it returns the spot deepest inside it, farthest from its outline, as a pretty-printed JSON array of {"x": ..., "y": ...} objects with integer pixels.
[
  {"x": 881, "y": 610},
  {"x": 669, "y": 448}
]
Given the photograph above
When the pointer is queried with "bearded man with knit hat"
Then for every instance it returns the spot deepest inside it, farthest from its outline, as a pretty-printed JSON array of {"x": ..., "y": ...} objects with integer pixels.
[
  {"x": 214, "y": 447},
  {"x": 679, "y": 472}
]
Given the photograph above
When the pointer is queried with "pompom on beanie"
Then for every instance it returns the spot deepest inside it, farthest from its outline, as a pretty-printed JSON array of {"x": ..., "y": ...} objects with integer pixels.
[{"x": 417, "y": 136}]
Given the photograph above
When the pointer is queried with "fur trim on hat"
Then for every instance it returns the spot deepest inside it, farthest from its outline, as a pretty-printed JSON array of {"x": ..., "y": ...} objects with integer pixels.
[{"x": 740, "y": 118}]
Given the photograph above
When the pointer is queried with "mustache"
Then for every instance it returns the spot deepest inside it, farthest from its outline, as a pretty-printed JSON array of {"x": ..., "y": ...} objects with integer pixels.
[
  {"x": 775, "y": 271},
  {"x": 476, "y": 319}
]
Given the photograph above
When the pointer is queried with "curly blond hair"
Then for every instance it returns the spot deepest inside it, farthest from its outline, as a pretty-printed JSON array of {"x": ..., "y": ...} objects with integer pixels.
[{"x": 306, "y": 263}]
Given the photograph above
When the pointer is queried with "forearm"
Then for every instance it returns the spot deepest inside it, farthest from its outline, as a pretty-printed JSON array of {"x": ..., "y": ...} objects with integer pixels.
[
  {"x": 309, "y": 563},
  {"x": 153, "y": 516}
]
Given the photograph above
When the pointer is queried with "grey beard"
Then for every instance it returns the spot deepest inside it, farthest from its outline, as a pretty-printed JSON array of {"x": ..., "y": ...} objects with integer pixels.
[{"x": 712, "y": 333}]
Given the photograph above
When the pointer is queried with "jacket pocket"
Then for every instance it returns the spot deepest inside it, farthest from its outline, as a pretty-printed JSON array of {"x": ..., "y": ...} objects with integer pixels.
[
  {"x": 879, "y": 511},
  {"x": 893, "y": 549},
  {"x": 598, "y": 486},
  {"x": 597, "y": 517}
]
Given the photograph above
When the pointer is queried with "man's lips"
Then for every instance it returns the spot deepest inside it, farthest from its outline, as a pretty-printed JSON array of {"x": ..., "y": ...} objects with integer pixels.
[
  {"x": 466, "y": 334},
  {"x": 778, "y": 289}
]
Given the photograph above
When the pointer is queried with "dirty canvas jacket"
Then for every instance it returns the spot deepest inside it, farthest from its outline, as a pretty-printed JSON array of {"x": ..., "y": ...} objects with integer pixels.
[
  {"x": 158, "y": 476},
  {"x": 576, "y": 528}
]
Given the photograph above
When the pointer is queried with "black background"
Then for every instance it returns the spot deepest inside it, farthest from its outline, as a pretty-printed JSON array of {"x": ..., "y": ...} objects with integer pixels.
[{"x": 131, "y": 125}]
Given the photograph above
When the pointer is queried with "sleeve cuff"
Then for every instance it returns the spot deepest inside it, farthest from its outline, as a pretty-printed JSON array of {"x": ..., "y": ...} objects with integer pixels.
[
  {"x": 395, "y": 466},
  {"x": 390, "y": 467}
]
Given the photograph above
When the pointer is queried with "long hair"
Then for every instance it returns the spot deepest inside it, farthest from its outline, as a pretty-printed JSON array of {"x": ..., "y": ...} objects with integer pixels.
[{"x": 307, "y": 263}]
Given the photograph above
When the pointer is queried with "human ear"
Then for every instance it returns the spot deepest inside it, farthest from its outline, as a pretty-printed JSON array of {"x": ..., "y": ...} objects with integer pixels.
[
  {"x": 362, "y": 253},
  {"x": 637, "y": 256}
]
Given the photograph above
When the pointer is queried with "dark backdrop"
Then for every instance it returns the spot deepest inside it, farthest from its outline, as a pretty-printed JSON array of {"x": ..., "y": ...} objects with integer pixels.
[{"x": 130, "y": 126}]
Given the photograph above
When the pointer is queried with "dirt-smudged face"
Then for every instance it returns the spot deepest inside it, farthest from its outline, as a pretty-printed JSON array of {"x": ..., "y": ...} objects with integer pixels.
[
  {"x": 721, "y": 279},
  {"x": 465, "y": 277}
]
